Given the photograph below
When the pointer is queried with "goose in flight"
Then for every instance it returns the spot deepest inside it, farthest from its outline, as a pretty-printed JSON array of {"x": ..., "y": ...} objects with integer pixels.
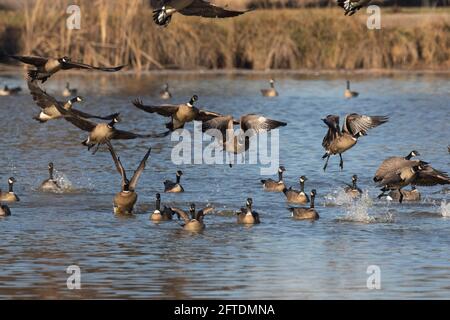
[{"x": 352, "y": 6}]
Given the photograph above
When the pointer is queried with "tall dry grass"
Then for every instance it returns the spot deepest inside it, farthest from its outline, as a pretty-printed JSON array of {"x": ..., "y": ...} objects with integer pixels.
[{"x": 117, "y": 31}]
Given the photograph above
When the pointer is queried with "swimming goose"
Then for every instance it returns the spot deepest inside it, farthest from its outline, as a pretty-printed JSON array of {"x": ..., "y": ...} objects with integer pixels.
[
  {"x": 195, "y": 221},
  {"x": 4, "y": 210},
  {"x": 6, "y": 91},
  {"x": 161, "y": 215},
  {"x": 306, "y": 213},
  {"x": 337, "y": 141},
  {"x": 247, "y": 215},
  {"x": 351, "y": 6},
  {"x": 179, "y": 114},
  {"x": 174, "y": 187},
  {"x": 67, "y": 92},
  {"x": 392, "y": 164},
  {"x": 50, "y": 185},
  {"x": 165, "y": 94},
  {"x": 46, "y": 67},
  {"x": 275, "y": 186},
  {"x": 49, "y": 111},
  {"x": 166, "y": 8},
  {"x": 352, "y": 190},
  {"x": 294, "y": 196},
  {"x": 250, "y": 125},
  {"x": 125, "y": 200},
  {"x": 9, "y": 196},
  {"x": 408, "y": 195},
  {"x": 350, "y": 94},
  {"x": 270, "y": 92}
]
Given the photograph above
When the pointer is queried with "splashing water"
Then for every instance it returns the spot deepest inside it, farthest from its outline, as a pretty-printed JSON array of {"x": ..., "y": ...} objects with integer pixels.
[{"x": 445, "y": 209}]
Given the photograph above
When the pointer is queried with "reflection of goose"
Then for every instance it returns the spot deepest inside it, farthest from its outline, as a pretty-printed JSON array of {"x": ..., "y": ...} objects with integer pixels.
[
  {"x": 68, "y": 92},
  {"x": 195, "y": 221},
  {"x": 247, "y": 215},
  {"x": 50, "y": 185},
  {"x": 306, "y": 213},
  {"x": 270, "y": 92},
  {"x": 6, "y": 91}
]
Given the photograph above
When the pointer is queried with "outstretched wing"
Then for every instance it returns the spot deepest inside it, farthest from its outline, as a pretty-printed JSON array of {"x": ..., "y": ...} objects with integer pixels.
[
  {"x": 119, "y": 165},
  {"x": 259, "y": 123},
  {"x": 430, "y": 177},
  {"x": 356, "y": 124},
  {"x": 42, "y": 99},
  {"x": 33, "y": 60},
  {"x": 90, "y": 116},
  {"x": 163, "y": 110},
  {"x": 139, "y": 170},
  {"x": 218, "y": 123},
  {"x": 181, "y": 214},
  {"x": 80, "y": 65},
  {"x": 204, "y": 115},
  {"x": 205, "y": 9},
  {"x": 203, "y": 212}
]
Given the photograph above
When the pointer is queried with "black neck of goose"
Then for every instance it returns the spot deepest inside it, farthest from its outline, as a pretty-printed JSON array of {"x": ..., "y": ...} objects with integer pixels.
[
  {"x": 280, "y": 175},
  {"x": 112, "y": 123},
  {"x": 409, "y": 156},
  {"x": 50, "y": 173},
  {"x": 302, "y": 186},
  {"x": 348, "y": 85},
  {"x": 272, "y": 85},
  {"x": 158, "y": 205},
  {"x": 312, "y": 201},
  {"x": 178, "y": 178},
  {"x": 11, "y": 186},
  {"x": 354, "y": 184}
]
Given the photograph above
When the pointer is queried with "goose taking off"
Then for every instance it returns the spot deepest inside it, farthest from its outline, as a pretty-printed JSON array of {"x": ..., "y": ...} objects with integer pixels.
[
  {"x": 202, "y": 8},
  {"x": 337, "y": 141},
  {"x": 194, "y": 223},
  {"x": 352, "y": 6}
]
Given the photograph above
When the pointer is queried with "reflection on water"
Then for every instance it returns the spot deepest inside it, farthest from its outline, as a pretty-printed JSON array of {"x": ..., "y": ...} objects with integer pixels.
[{"x": 280, "y": 258}]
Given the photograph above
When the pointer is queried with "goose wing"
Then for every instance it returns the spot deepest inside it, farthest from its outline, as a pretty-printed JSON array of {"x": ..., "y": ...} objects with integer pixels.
[
  {"x": 42, "y": 98},
  {"x": 206, "y": 9},
  {"x": 203, "y": 212},
  {"x": 119, "y": 165},
  {"x": 167, "y": 110},
  {"x": 332, "y": 121},
  {"x": 259, "y": 123},
  {"x": 33, "y": 60},
  {"x": 139, "y": 170},
  {"x": 392, "y": 164},
  {"x": 90, "y": 116},
  {"x": 126, "y": 135},
  {"x": 430, "y": 177},
  {"x": 221, "y": 123},
  {"x": 356, "y": 124},
  {"x": 204, "y": 115},
  {"x": 181, "y": 214},
  {"x": 80, "y": 65}
]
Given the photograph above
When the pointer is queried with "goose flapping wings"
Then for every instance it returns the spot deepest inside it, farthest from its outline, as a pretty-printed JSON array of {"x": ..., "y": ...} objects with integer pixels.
[
  {"x": 352, "y": 6},
  {"x": 207, "y": 9},
  {"x": 358, "y": 125}
]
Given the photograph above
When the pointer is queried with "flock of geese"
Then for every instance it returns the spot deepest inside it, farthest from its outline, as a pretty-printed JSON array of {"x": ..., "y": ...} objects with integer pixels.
[{"x": 392, "y": 176}]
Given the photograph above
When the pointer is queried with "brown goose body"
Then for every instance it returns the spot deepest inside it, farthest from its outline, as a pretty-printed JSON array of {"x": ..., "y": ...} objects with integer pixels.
[
  {"x": 4, "y": 210},
  {"x": 174, "y": 187},
  {"x": 393, "y": 164},
  {"x": 159, "y": 215},
  {"x": 194, "y": 222},
  {"x": 9, "y": 196},
  {"x": 352, "y": 190},
  {"x": 306, "y": 213},
  {"x": 295, "y": 196},
  {"x": 275, "y": 186},
  {"x": 50, "y": 185},
  {"x": 408, "y": 195},
  {"x": 247, "y": 215},
  {"x": 124, "y": 202}
]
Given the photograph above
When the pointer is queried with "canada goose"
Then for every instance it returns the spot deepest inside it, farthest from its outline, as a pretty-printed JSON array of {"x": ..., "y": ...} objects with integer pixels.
[
  {"x": 100, "y": 133},
  {"x": 392, "y": 164},
  {"x": 67, "y": 92},
  {"x": 166, "y": 8},
  {"x": 125, "y": 200},
  {"x": 247, "y": 215},
  {"x": 351, "y": 6},
  {"x": 294, "y": 196},
  {"x": 6, "y": 91},
  {"x": 350, "y": 94},
  {"x": 180, "y": 114},
  {"x": 270, "y": 92},
  {"x": 4, "y": 210},
  {"x": 275, "y": 186},
  {"x": 250, "y": 124},
  {"x": 408, "y": 195},
  {"x": 50, "y": 185},
  {"x": 165, "y": 94},
  {"x": 9, "y": 196},
  {"x": 46, "y": 67},
  {"x": 337, "y": 141},
  {"x": 398, "y": 179},
  {"x": 174, "y": 187},
  {"x": 306, "y": 213},
  {"x": 49, "y": 111},
  {"x": 195, "y": 222},
  {"x": 352, "y": 190},
  {"x": 161, "y": 215}
]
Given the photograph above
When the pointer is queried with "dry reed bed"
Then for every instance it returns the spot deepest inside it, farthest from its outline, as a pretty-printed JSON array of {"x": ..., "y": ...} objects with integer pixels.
[{"x": 115, "y": 32}]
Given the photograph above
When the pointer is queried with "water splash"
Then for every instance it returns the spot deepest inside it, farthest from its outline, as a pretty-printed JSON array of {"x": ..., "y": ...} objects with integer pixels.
[{"x": 445, "y": 208}]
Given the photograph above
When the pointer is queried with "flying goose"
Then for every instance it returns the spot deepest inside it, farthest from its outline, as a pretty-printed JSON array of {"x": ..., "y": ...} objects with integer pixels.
[
  {"x": 9, "y": 196},
  {"x": 203, "y": 8},
  {"x": 4, "y": 210},
  {"x": 350, "y": 94},
  {"x": 6, "y": 91},
  {"x": 352, "y": 190},
  {"x": 46, "y": 67},
  {"x": 125, "y": 200},
  {"x": 179, "y": 114},
  {"x": 174, "y": 187},
  {"x": 161, "y": 215},
  {"x": 250, "y": 125},
  {"x": 306, "y": 213},
  {"x": 337, "y": 141},
  {"x": 294, "y": 196},
  {"x": 195, "y": 221},
  {"x": 352, "y": 6},
  {"x": 165, "y": 94},
  {"x": 270, "y": 92},
  {"x": 247, "y": 215},
  {"x": 275, "y": 186},
  {"x": 392, "y": 164},
  {"x": 50, "y": 185},
  {"x": 67, "y": 92},
  {"x": 48, "y": 105}
]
